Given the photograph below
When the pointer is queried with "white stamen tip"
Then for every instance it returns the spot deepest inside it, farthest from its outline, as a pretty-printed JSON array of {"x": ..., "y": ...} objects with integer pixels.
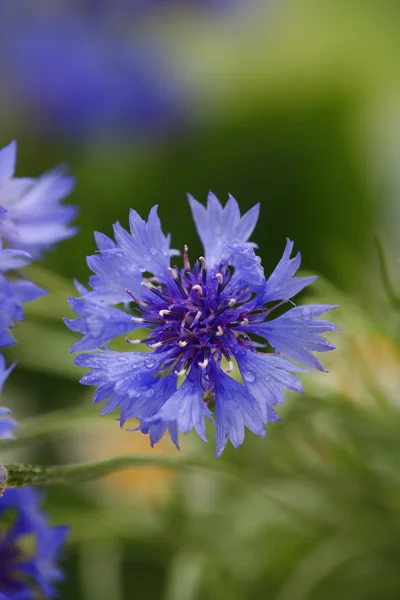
[
  {"x": 198, "y": 288},
  {"x": 230, "y": 367},
  {"x": 147, "y": 285},
  {"x": 220, "y": 331},
  {"x": 133, "y": 342},
  {"x": 245, "y": 321},
  {"x": 180, "y": 373},
  {"x": 232, "y": 302},
  {"x": 172, "y": 272},
  {"x": 164, "y": 312},
  {"x": 186, "y": 249},
  {"x": 220, "y": 278},
  {"x": 203, "y": 262},
  {"x": 137, "y": 320},
  {"x": 156, "y": 345},
  {"x": 182, "y": 343},
  {"x": 203, "y": 364}
]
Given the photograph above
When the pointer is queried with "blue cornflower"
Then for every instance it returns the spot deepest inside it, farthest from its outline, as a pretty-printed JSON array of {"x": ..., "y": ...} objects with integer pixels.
[
  {"x": 34, "y": 220},
  {"x": 201, "y": 320},
  {"x": 14, "y": 292},
  {"x": 7, "y": 423},
  {"x": 29, "y": 547},
  {"x": 82, "y": 79}
]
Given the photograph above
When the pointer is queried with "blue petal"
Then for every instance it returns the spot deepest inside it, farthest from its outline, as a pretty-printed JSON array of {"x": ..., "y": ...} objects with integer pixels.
[
  {"x": 186, "y": 407},
  {"x": 41, "y": 571},
  {"x": 115, "y": 273},
  {"x": 7, "y": 161},
  {"x": 247, "y": 265},
  {"x": 13, "y": 259},
  {"x": 146, "y": 246},
  {"x": 35, "y": 219},
  {"x": 100, "y": 323},
  {"x": 235, "y": 408},
  {"x": 3, "y": 213},
  {"x": 4, "y": 373},
  {"x": 296, "y": 335},
  {"x": 121, "y": 376},
  {"x": 266, "y": 376},
  {"x": 216, "y": 226},
  {"x": 282, "y": 285}
]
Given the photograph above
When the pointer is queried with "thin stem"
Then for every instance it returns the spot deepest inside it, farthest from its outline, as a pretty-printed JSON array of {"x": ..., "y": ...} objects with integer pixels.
[
  {"x": 28, "y": 475},
  {"x": 387, "y": 282}
]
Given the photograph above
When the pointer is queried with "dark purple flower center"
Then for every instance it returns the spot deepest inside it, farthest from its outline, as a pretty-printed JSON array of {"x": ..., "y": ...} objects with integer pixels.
[
  {"x": 12, "y": 559},
  {"x": 198, "y": 316}
]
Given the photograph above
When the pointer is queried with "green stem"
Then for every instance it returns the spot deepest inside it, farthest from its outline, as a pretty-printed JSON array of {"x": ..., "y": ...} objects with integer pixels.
[
  {"x": 387, "y": 282},
  {"x": 28, "y": 475}
]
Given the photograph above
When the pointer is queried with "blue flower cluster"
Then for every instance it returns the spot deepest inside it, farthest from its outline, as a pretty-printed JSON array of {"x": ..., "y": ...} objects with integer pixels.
[
  {"x": 29, "y": 547},
  {"x": 81, "y": 78},
  {"x": 201, "y": 319},
  {"x": 32, "y": 220}
]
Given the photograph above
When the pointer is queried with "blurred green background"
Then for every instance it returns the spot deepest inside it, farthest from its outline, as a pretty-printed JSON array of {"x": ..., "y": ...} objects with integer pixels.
[{"x": 293, "y": 104}]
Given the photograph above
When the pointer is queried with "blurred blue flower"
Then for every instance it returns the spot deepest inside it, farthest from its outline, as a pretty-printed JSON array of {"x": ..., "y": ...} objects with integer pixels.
[
  {"x": 35, "y": 220},
  {"x": 29, "y": 547},
  {"x": 81, "y": 78},
  {"x": 201, "y": 320},
  {"x": 7, "y": 423}
]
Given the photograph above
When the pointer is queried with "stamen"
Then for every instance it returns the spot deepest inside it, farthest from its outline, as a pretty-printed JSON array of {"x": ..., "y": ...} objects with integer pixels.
[
  {"x": 203, "y": 363},
  {"x": 128, "y": 291},
  {"x": 173, "y": 274},
  {"x": 182, "y": 343},
  {"x": 164, "y": 312},
  {"x": 244, "y": 322},
  {"x": 230, "y": 367},
  {"x": 198, "y": 288},
  {"x": 196, "y": 318},
  {"x": 133, "y": 342},
  {"x": 203, "y": 262},
  {"x": 232, "y": 302},
  {"x": 186, "y": 262},
  {"x": 220, "y": 278},
  {"x": 220, "y": 331},
  {"x": 156, "y": 345},
  {"x": 180, "y": 373},
  {"x": 137, "y": 320}
]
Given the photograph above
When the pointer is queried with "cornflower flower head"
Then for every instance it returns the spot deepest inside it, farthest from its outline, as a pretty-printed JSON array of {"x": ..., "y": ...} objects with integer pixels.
[
  {"x": 108, "y": 83},
  {"x": 31, "y": 216},
  {"x": 7, "y": 423},
  {"x": 29, "y": 547},
  {"x": 201, "y": 318}
]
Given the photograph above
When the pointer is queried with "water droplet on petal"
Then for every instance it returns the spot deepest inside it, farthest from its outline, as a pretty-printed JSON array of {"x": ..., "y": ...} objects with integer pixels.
[
  {"x": 149, "y": 363},
  {"x": 249, "y": 376},
  {"x": 164, "y": 250},
  {"x": 123, "y": 359},
  {"x": 153, "y": 250},
  {"x": 147, "y": 257},
  {"x": 119, "y": 253},
  {"x": 267, "y": 378}
]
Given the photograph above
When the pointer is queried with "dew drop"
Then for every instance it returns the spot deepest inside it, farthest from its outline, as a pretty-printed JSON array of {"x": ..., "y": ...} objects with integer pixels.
[
  {"x": 147, "y": 257},
  {"x": 267, "y": 378},
  {"x": 123, "y": 359},
  {"x": 119, "y": 253},
  {"x": 164, "y": 250},
  {"x": 149, "y": 363},
  {"x": 153, "y": 250},
  {"x": 249, "y": 376}
]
